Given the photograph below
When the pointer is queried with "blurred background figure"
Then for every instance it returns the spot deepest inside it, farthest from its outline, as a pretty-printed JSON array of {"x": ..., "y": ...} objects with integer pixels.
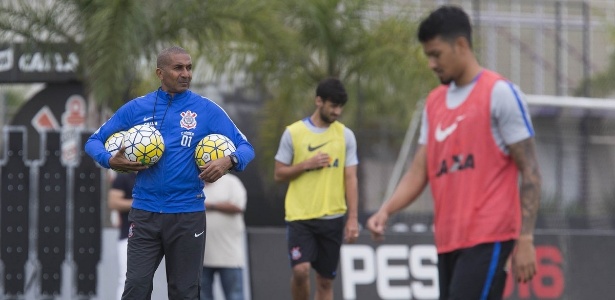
[
  {"x": 317, "y": 156},
  {"x": 225, "y": 249},
  {"x": 119, "y": 199}
]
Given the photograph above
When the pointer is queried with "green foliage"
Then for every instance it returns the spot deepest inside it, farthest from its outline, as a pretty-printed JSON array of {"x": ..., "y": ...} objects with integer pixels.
[
  {"x": 111, "y": 46},
  {"x": 111, "y": 37},
  {"x": 13, "y": 100},
  {"x": 600, "y": 84}
]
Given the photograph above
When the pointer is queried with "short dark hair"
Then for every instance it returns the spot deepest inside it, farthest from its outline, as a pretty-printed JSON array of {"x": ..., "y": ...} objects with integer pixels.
[
  {"x": 164, "y": 57},
  {"x": 332, "y": 89},
  {"x": 449, "y": 22}
]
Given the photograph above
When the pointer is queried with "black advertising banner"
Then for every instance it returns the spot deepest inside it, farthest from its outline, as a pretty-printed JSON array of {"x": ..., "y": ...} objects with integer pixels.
[
  {"x": 50, "y": 202},
  {"x": 570, "y": 266},
  {"x": 21, "y": 64},
  {"x": 58, "y": 107}
]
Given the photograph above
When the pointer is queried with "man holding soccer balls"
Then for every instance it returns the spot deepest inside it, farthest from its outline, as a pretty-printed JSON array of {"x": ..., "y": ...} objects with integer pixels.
[{"x": 167, "y": 219}]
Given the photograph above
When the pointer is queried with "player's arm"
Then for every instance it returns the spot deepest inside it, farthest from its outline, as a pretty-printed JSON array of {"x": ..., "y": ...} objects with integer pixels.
[
  {"x": 408, "y": 189},
  {"x": 120, "y": 162},
  {"x": 524, "y": 259},
  {"x": 509, "y": 108},
  {"x": 220, "y": 122},
  {"x": 214, "y": 169},
  {"x": 95, "y": 145},
  {"x": 352, "y": 203},
  {"x": 116, "y": 200},
  {"x": 524, "y": 155},
  {"x": 223, "y": 207},
  {"x": 284, "y": 172},
  {"x": 285, "y": 169},
  {"x": 237, "y": 161},
  {"x": 236, "y": 204}
]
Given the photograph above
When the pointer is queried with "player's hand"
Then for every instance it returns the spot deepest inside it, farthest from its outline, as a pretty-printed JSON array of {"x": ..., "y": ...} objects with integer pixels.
[
  {"x": 524, "y": 259},
  {"x": 377, "y": 224},
  {"x": 318, "y": 161},
  {"x": 214, "y": 169},
  {"x": 120, "y": 162},
  {"x": 351, "y": 232}
]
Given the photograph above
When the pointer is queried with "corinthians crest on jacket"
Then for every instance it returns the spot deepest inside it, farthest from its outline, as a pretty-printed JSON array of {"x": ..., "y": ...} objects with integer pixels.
[{"x": 188, "y": 120}]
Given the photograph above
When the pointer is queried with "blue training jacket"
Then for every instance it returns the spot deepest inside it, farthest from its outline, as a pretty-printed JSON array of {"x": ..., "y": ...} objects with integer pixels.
[{"x": 172, "y": 185}]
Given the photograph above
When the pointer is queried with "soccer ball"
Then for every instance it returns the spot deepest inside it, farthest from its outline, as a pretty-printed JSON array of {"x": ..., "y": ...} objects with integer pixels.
[
  {"x": 212, "y": 147},
  {"x": 144, "y": 144},
  {"x": 115, "y": 142}
]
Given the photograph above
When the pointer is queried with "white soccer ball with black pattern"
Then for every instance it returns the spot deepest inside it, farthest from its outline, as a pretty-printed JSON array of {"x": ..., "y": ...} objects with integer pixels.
[
  {"x": 212, "y": 147},
  {"x": 115, "y": 142},
  {"x": 144, "y": 144}
]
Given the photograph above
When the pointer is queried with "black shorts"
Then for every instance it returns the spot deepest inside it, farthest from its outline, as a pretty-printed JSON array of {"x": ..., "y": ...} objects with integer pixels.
[
  {"x": 474, "y": 273},
  {"x": 317, "y": 241}
]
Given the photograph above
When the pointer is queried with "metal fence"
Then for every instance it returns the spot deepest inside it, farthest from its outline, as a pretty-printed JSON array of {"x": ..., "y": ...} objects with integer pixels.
[{"x": 548, "y": 47}]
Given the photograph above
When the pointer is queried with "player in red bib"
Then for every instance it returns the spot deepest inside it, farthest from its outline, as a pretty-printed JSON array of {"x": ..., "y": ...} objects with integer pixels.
[{"x": 476, "y": 139}]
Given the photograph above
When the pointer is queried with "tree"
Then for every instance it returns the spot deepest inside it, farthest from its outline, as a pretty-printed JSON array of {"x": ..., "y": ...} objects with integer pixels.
[{"x": 101, "y": 32}]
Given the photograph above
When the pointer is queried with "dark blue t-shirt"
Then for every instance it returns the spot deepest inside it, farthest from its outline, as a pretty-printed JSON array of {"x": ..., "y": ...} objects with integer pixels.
[{"x": 124, "y": 182}]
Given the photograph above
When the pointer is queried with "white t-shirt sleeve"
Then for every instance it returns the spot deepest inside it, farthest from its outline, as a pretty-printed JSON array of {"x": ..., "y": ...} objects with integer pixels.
[
  {"x": 351, "y": 148},
  {"x": 424, "y": 128},
  {"x": 285, "y": 150},
  {"x": 239, "y": 195},
  {"x": 511, "y": 122},
  {"x": 509, "y": 112}
]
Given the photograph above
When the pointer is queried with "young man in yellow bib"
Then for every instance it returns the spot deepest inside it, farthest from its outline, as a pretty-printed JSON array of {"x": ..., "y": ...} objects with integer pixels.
[{"x": 318, "y": 157}]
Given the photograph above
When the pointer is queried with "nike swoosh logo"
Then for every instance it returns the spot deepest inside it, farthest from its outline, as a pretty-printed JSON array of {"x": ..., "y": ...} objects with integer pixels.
[
  {"x": 147, "y": 118},
  {"x": 310, "y": 148},
  {"x": 442, "y": 134},
  {"x": 199, "y": 234}
]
